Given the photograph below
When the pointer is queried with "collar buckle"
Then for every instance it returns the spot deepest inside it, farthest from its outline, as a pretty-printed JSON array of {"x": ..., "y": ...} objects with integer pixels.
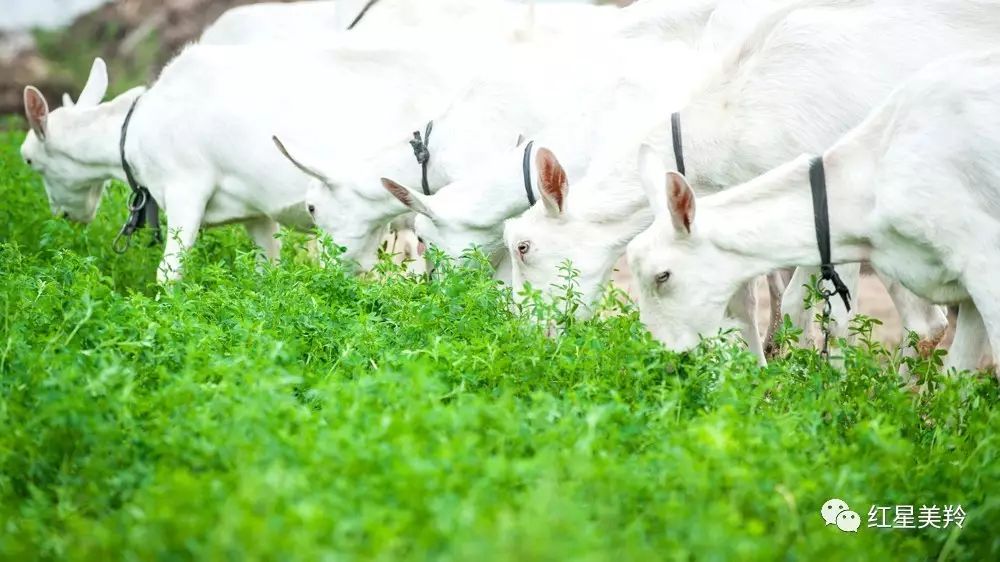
[{"x": 143, "y": 210}]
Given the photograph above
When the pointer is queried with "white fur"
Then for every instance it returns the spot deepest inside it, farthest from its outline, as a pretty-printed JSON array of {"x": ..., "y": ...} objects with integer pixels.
[
  {"x": 709, "y": 24},
  {"x": 277, "y": 22},
  {"x": 499, "y": 19},
  {"x": 803, "y": 77},
  {"x": 915, "y": 189}
]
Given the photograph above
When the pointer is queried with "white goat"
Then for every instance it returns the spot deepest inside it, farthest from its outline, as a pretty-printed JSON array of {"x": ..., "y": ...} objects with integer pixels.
[
  {"x": 915, "y": 189},
  {"x": 200, "y": 139},
  {"x": 800, "y": 80}
]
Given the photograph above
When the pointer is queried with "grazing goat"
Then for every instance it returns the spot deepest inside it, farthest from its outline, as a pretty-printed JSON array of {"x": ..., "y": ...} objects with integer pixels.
[{"x": 915, "y": 189}]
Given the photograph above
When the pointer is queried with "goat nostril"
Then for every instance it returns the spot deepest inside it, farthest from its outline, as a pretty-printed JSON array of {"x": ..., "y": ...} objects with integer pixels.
[{"x": 65, "y": 214}]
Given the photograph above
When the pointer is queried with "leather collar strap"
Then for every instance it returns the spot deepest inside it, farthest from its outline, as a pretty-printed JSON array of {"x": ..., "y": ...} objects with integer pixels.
[
  {"x": 423, "y": 154},
  {"x": 361, "y": 14},
  {"x": 526, "y": 170},
  {"x": 143, "y": 210},
  {"x": 821, "y": 214},
  {"x": 675, "y": 132}
]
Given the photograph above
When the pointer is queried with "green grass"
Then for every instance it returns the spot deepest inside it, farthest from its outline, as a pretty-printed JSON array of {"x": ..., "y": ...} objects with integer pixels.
[{"x": 297, "y": 413}]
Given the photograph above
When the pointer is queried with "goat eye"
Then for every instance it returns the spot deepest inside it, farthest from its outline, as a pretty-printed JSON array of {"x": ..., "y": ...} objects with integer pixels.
[
  {"x": 523, "y": 247},
  {"x": 28, "y": 161},
  {"x": 663, "y": 277},
  {"x": 312, "y": 209}
]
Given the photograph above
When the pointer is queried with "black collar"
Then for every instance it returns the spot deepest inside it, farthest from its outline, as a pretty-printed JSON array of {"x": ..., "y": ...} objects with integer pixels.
[
  {"x": 423, "y": 154},
  {"x": 143, "y": 210},
  {"x": 675, "y": 132},
  {"x": 821, "y": 215},
  {"x": 526, "y": 170},
  {"x": 361, "y": 14}
]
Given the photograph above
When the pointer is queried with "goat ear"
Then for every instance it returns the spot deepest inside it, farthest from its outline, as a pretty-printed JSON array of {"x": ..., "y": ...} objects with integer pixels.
[
  {"x": 308, "y": 169},
  {"x": 651, "y": 173},
  {"x": 97, "y": 85},
  {"x": 552, "y": 182},
  {"x": 415, "y": 201},
  {"x": 67, "y": 100},
  {"x": 36, "y": 109},
  {"x": 680, "y": 201}
]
